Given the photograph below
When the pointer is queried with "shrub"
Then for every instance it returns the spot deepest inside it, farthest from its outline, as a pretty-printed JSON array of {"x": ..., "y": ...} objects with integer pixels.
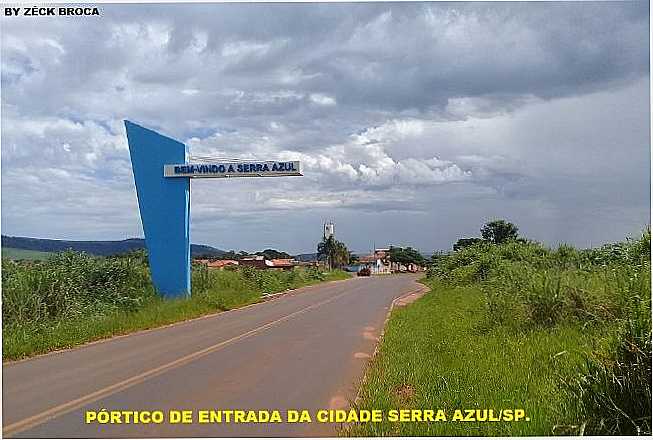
[
  {"x": 528, "y": 286},
  {"x": 73, "y": 298},
  {"x": 71, "y": 284},
  {"x": 614, "y": 389}
]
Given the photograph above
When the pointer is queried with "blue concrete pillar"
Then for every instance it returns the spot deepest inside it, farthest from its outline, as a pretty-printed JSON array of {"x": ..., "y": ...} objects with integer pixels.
[{"x": 164, "y": 204}]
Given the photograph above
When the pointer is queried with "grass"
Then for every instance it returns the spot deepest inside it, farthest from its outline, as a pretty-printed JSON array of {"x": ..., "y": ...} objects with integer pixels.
[
  {"x": 561, "y": 333},
  {"x": 74, "y": 298},
  {"x": 30, "y": 339},
  {"x": 438, "y": 354},
  {"x": 23, "y": 254}
]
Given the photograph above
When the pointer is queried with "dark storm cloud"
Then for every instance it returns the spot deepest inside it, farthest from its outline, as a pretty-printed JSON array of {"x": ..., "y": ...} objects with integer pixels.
[
  {"x": 369, "y": 57},
  {"x": 519, "y": 108}
]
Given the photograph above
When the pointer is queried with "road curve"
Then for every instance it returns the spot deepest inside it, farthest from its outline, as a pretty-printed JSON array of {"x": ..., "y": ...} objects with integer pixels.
[{"x": 304, "y": 350}]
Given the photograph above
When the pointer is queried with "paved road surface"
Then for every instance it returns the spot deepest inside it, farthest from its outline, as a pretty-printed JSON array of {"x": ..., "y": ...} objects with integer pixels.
[{"x": 303, "y": 350}]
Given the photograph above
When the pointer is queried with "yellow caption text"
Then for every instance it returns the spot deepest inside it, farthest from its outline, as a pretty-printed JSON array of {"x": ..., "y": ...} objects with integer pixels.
[{"x": 220, "y": 416}]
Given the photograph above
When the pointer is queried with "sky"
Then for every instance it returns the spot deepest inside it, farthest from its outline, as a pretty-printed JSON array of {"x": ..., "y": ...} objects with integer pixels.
[{"x": 415, "y": 123}]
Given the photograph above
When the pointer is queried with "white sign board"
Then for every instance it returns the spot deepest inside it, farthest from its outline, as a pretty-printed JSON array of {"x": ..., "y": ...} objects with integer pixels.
[{"x": 266, "y": 168}]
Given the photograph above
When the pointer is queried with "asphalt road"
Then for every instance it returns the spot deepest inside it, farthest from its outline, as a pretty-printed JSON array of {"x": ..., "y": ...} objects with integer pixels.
[{"x": 304, "y": 350}]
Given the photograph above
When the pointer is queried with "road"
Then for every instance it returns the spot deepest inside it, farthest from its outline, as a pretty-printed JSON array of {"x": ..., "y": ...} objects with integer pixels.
[{"x": 304, "y": 350}]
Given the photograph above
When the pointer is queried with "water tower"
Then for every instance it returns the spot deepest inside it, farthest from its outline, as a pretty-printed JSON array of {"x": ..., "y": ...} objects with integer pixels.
[{"x": 329, "y": 230}]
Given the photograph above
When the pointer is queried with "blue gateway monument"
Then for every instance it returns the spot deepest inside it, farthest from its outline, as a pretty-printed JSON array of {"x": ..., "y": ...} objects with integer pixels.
[{"x": 162, "y": 176}]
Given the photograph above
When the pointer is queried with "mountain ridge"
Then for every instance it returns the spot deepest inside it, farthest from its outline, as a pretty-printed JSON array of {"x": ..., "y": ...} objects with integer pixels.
[
  {"x": 111, "y": 247},
  {"x": 95, "y": 247}
]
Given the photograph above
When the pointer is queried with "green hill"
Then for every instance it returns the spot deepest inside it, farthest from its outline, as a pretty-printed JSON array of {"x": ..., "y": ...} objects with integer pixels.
[
  {"x": 103, "y": 248},
  {"x": 23, "y": 254}
]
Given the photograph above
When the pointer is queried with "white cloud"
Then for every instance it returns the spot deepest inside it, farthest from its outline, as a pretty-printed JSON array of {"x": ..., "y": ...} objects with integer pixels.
[
  {"x": 320, "y": 99},
  {"x": 243, "y": 49},
  {"x": 537, "y": 112}
]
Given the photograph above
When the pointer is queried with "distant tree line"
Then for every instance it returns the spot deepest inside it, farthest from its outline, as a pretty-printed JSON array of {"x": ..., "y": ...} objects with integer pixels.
[
  {"x": 269, "y": 254},
  {"x": 495, "y": 232},
  {"x": 406, "y": 256}
]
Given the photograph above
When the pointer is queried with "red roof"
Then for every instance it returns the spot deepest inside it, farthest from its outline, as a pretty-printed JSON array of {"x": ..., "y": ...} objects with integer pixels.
[
  {"x": 222, "y": 263},
  {"x": 283, "y": 262}
]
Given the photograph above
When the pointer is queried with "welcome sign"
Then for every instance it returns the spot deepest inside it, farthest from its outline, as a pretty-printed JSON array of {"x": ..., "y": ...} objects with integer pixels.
[
  {"x": 233, "y": 169},
  {"x": 164, "y": 199}
]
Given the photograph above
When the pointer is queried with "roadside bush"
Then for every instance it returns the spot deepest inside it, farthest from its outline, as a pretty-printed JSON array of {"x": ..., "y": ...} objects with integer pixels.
[
  {"x": 529, "y": 287},
  {"x": 71, "y": 284},
  {"x": 565, "y": 257},
  {"x": 73, "y": 298},
  {"x": 614, "y": 389},
  {"x": 552, "y": 286},
  {"x": 270, "y": 281}
]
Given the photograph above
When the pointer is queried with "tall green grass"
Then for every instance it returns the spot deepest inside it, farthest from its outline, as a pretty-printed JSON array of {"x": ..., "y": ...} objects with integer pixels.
[
  {"x": 584, "y": 315},
  {"x": 439, "y": 353},
  {"x": 74, "y": 298},
  {"x": 527, "y": 286},
  {"x": 70, "y": 285}
]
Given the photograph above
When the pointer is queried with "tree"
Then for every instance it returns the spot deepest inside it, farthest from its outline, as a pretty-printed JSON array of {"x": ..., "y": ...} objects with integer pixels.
[
  {"x": 272, "y": 254},
  {"x": 465, "y": 242},
  {"x": 437, "y": 256},
  {"x": 499, "y": 231},
  {"x": 406, "y": 256},
  {"x": 335, "y": 252}
]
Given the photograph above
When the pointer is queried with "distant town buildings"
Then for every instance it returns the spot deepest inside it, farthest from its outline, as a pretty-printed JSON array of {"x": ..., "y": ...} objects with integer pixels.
[
  {"x": 379, "y": 263},
  {"x": 219, "y": 264},
  {"x": 256, "y": 261}
]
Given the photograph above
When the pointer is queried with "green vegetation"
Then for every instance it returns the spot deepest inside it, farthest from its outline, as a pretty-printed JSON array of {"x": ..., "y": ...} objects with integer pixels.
[
  {"x": 73, "y": 298},
  {"x": 272, "y": 254},
  {"x": 495, "y": 232},
  {"x": 334, "y": 252},
  {"x": 406, "y": 256},
  {"x": 499, "y": 231},
  {"x": 269, "y": 254},
  {"x": 23, "y": 254},
  {"x": 466, "y": 242},
  {"x": 564, "y": 334}
]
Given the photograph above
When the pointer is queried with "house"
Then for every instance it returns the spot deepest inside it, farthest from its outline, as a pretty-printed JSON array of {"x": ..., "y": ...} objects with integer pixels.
[
  {"x": 217, "y": 264},
  {"x": 221, "y": 264},
  {"x": 256, "y": 261},
  {"x": 260, "y": 262},
  {"x": 283, "y": 263},
  {"x": 378, "y": 262}
]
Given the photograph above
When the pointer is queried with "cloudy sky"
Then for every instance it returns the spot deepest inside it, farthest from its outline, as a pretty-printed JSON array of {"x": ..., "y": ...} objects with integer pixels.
[{"x": 415, "y": 122}]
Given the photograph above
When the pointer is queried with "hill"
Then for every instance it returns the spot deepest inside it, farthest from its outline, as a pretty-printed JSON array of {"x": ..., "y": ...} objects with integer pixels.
[
  {"x": 306, "y": 257},
  {"x": 103, "y": 248}
]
